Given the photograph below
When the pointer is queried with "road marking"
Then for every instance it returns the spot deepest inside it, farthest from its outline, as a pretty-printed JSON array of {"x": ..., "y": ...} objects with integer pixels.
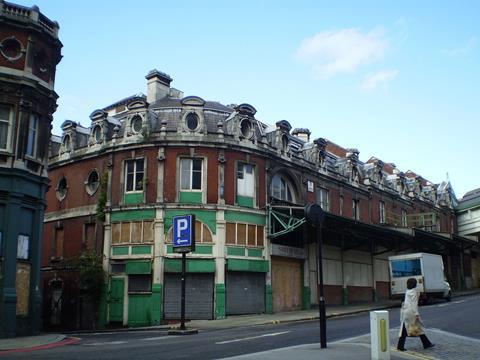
[
  {"x": 106, "y": 343},
  {"x": 158, "y": 338},
  {"x": 441, "y": 305},
  {"x": 251, "y": 338},
  {"x": 458, "y": 302}
]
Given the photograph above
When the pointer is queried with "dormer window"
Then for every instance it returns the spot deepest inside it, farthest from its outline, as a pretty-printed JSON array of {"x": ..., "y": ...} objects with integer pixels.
[
  {"x": 136, "y": 124},
  {"x": 284, "y": 142},
  {"x": 192, "y": 121},
  {"x": 97, "y": 133},
  {"x": 246, "y": 128},
  {"x": 67, "y": 143}
]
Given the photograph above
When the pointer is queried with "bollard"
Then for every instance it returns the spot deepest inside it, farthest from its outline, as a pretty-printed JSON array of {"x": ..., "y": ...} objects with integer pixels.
[{"x": 380, "y": 335}]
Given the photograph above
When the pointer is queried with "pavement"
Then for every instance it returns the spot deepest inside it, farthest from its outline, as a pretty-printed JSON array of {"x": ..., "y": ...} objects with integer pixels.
[{"x": 355, "y": 348}]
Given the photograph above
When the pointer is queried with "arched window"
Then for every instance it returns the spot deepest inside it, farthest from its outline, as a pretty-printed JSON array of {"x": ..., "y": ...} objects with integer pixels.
[{"x": 282, "y": 189}]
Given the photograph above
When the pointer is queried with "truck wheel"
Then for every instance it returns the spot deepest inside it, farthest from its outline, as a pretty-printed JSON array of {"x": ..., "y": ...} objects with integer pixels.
[{"x": 448, "y": 298}]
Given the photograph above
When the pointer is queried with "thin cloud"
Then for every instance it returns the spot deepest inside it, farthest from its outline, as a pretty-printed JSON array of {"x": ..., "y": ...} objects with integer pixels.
[
  {"x": 379, "y": 79},
  {"x": 464, "y": 50},
  {"x": 343, "y": 51}
]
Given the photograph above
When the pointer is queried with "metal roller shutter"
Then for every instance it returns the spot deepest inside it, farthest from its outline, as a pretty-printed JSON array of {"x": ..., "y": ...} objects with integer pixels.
[
  {"x": 245, "y": 293},
  {"x": 198, "y": 296}
]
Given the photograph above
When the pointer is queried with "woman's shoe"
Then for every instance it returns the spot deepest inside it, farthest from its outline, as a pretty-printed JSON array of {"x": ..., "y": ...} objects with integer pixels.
[
  {"x": 429, "y": 346},
  {"x": 401, "y": 349}
]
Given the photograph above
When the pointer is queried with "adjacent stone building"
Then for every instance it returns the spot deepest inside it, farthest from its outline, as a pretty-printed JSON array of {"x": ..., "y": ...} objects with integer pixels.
[
  {"x": 117, "y": 184},
  {"x": 29, "y": 54}
]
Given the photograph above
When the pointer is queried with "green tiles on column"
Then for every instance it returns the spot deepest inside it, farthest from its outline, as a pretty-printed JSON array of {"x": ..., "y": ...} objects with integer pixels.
[
  {"x": 235, "y": 251},
  {"x": 219, "y": 301},
  {"x": 138, "y": 267},
  {"x": 131, "y": 215},
  {"x": 243, "y": 217},
  {"x": 190, "y": 197},
  {"x": 157, "y": 302},
  {"x": 247, "y": 265},
  {"x": 245, "y": 201},
  {"x": 268, "y": 299},
  {"x": 306, "y": 303},
  {"x": 140, "y": 310},
  {"x": 141, "y": 250},
  {"x": 119, "y": 250},
  {"x": 255, "y": 253},
  {"x": 135, "y": 198},
  {"x": 192, "y": 266},
  {"x": 199, "y": 249}
]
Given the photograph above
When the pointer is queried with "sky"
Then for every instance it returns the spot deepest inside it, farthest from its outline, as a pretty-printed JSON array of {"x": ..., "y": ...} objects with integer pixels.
[{"x": 395, "y": 80}]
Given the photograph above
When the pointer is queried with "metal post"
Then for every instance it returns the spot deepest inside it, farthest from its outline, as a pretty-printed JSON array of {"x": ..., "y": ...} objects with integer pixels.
[
  {"x": 321, "y": 297},
  {"x": 182, "y": 311}
]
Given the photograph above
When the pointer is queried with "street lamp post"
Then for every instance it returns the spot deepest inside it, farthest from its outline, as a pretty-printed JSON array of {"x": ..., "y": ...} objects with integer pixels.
[{"x": 315, "y": 216}]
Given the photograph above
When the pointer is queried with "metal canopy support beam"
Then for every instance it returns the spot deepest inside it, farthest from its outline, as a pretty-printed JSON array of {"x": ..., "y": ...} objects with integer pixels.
[{"x": 281, "y": 223}]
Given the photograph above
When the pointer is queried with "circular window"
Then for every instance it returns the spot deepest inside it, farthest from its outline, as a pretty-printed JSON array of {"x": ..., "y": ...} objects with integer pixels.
[
  {"x": 136, "y": 124},
  {"x": 97, "y": 133},
  {"x": 93, "y": 182},
  {"x": 246, "y": 128},
  {"x": 192, "y": 121},
  {"x": 67, "y": 143},
  {"x": 62, "y": 189},
  {"x": 11, "y": 49}
]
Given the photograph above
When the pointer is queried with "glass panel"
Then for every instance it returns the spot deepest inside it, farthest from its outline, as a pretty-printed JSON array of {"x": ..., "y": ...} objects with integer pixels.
[
  {"x": 251, "y": 235},
  {"x": 185, "y": 165},
  {"x": 32, "y": 132},
  {"x": 129, "y": 182},
  {"x": 241, "y": 234},
  {"x": 231, "y": 233},
  {"x": 260, "y": 235},
  {"x": 139, "y": 283},
  {"x": 409, "y": 267},
  {"x": 139, "y": 182},
  {"x": 276, "y": 187},
  {"x": 4, "y": 112},
  {"x": 3, "y": 134},
  {"x": 197, "y": 174}
]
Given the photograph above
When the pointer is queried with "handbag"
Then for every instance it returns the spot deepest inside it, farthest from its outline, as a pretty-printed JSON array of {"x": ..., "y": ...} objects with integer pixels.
[{"x": 415, "y": 329}]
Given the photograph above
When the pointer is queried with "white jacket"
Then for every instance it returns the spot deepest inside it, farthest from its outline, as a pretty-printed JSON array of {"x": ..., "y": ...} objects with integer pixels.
[{"x": 409, "y": 312}]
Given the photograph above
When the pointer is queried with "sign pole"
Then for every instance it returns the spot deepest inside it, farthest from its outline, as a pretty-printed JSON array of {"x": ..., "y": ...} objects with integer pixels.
[
  {"x": 321, "y": 298},
  {"x": 182, "y": 311}
]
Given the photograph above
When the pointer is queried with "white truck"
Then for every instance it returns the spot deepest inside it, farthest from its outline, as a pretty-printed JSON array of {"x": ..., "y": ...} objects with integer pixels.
[{"x": 426, "y": 268}]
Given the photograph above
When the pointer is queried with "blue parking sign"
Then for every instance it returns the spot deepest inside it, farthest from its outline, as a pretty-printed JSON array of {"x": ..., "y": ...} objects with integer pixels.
[{"x": 184, "y": 233}]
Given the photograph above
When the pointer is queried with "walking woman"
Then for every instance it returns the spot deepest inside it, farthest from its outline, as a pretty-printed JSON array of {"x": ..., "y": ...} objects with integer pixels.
[{"x": 411, "y": 325}]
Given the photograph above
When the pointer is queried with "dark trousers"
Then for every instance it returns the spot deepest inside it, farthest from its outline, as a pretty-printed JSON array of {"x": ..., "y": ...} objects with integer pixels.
[{"x": 401, "y": 340}]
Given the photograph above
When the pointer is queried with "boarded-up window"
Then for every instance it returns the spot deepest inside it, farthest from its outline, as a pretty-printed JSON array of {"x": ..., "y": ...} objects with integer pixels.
[
  {"x": 245, "y": 234},
  {"x": 125, "y": 235},
  {"x": 260, "y": 235},
  {"x": 116, "y": 229},
  {"x": 231, "y": 233},
  {"x": 147, "y": 231},
  {"x": 241, "y": 234},
  {"x": 202, "y": 233},
  {"x": 22, "y": 286},
  {"x": 251, "y": 235},
  {"x": 207, "y": 235},
  {"x": 136, "y": 232}
]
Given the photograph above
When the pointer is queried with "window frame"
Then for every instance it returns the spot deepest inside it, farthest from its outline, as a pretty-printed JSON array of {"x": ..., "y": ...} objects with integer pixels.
[
  {"x": 9, "y": 121},
  {"x": 284, "y": 184},
  {"x": 382, "y": 215},
  {"x": 321, "y": 191},
  {"x": 244, "y": 165},
  {"x": 135, "y": 172},
  {"x": 404, "y": 218},
  {"x": 191, "y": 171},
  {"x": 34, "y": 138},
  {"x": 356, "y": 209}
]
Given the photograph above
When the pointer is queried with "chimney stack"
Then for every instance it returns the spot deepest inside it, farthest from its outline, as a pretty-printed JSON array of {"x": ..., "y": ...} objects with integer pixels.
[{"x": 158, "y": 85}]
